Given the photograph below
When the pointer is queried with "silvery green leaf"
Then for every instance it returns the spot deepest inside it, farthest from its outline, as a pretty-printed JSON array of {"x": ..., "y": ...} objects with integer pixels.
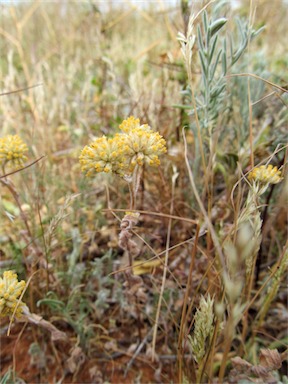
[
  {"x": 217, "y": 25},
  {"x": 205, "y": 21},
  {"x": 200, "y": 40},
  {"x": 256, "y": 33},
  {"x": 224, "y": 59},
  {"x": 217, "y": 91},
  {"x": 212, "y": 73},
  {"x": 214, "y": 42},
  {"x": 224, "y": 64},
  {"x": 203, "y": 63}
]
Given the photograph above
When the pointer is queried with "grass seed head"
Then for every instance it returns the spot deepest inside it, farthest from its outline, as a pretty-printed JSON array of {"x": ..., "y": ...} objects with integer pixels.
[{"x": 204, "y": 327}]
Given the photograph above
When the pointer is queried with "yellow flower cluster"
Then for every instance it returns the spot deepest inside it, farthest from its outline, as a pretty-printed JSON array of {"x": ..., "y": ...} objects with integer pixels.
[
  {"x": 102, "y": 155},
  {"x": 12, "y": 148},
  {"x": 135, "y": 145},
  {"x": 10, "y": 290},
  {"x": 265, "y": 175},
  {"x": 129, "y": 124}
]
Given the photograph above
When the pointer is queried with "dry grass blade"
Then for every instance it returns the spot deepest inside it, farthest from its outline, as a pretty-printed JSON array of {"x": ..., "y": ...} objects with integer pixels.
[
  {"x": 20, "y": 90},
  {"x": 202, "y": 208},
  {"x": 21, "y": 169},
  {"x": 174, "y": 178}
]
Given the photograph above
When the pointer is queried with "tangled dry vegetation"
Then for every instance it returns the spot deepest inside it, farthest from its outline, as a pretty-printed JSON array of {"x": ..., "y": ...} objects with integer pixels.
[{"x": 143, "y": 206}]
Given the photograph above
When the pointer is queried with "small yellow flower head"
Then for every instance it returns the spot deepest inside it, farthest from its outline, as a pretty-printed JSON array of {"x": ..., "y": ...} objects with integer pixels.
[
  {"x": 132, "y": 123},
  {"x": 129, "y": 124},
  {"x": 12, "y": 148},
  {"x": 102, "y": 155},
  {"x": 10, "y": 290},
  {"x": 142, "y": 144},
  {"x": 132, "y": 214},
  {"x": 265, "y": 175}
]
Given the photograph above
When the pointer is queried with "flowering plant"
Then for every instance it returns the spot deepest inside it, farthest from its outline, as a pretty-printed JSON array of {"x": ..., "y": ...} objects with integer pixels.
[
  {"x": 136, "y": 145},
  {"x": 12, "y": 149},
  {"x": 10, "y": 291},
  {"x": 265, "y": 175}
]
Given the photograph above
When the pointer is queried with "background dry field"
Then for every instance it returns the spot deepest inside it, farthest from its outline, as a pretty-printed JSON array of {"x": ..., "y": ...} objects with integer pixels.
[{"x": 207, "y": 301}]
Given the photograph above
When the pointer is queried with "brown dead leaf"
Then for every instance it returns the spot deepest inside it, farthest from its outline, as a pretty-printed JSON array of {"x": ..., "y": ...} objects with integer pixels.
[
  {"x": 56, "y": 334},
  {"x": 240, "y": 364},
  {"x": 132, "y": 348},
  {"x": 270, "y": 358},
  {"x": 262, "y": 372},
  {"x": 96, "y": 375},
  {"x": 150, "y": 353},
  {"x": 76, "y": 359}
]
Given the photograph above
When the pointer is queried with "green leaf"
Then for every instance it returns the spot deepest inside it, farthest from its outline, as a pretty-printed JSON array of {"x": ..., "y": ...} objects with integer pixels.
[
  {"x": 205, "y": 21},
  {"x": 10, "y": 208},
  {"x": 203, "y": 63},
  {"x": 217, "y": 25},
  {"x": 224, "y": 59},
  {"x": 217, "y": 91},
  {"x": 214, "y": 42},
  {"x": 54, "y": 304},
  {"x": 182, "y": 106},
  {"x": 200, "y": 40},
  {"x": 256, "y": 33},
  {"x": 212, "y": 73}
]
